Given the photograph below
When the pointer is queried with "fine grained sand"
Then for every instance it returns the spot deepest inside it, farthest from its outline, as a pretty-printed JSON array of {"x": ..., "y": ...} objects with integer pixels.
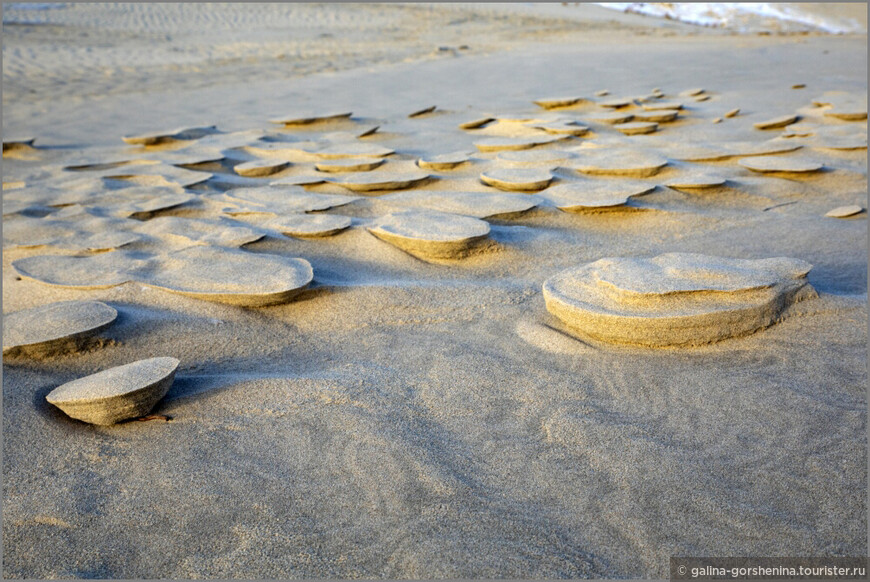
[{"x": 405, "y": 418}]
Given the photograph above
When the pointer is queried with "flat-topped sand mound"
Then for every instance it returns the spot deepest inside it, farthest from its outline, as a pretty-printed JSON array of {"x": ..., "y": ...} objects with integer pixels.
[
  {"x": 143, "y": 202},
  {"x": 609, "y": 117},
  {"x": 844, "y": 211},
  {"x": 657, "y": 115},
  {"x": 219, "y": 274},
  {"x": 310, "y": 117},
  {"x": 309, "y": 225},
  {"x": 662, "y": 105},
  {"x": 79, "y": 230},
  {"x": 561, "y": 127},
  {"x": 501, "y": 144},
  {"x": 185, "y": 231},
  {"x": 676, "y": 298},
  {"x": 280, "y": 199},
  {"x": 116, "y": 394},
  {"x": 233, "y": 277},
  {"x": 474, "y": 204},
  {"x": 365, "y": 182},
  {"x": 442, "y": 162},
  {"x": 636, "y": 127},
  {"x": 589, "y": 196},
  {"x": 557, "y": 102},
  {"x": 776, "y": 122},
  {"x": 159, "y": 137},
  {"x": 429, "y": 234},
  {"x": 349, "y": 165},
  {"x": 352, "y": 150},
  {"x": 13, "y": 143},
  {"x": 633, "y": 163},
  {"x": 517, "y": 179},
  {"x": 43, "y": 330},
  {"x": 695, "y": 180},
  {"x": 550, "y": 158},
  {"x": 260, "y": 168},
  {"x": 780, "y": 165}
]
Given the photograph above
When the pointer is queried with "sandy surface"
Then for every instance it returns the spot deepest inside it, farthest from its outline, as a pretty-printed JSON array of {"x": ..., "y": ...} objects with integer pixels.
[{"x": 406, "y": 418}]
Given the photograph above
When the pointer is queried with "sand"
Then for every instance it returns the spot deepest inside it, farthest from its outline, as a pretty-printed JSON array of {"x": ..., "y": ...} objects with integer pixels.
[
  {"x": 417, "y": 418},
  {"x": 116, "y": 394},
  {"x": 676, "y": 299}
]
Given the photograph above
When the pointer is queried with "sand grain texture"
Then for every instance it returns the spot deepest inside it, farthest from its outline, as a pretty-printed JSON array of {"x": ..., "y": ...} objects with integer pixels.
[{"x": 408, "y": 416}]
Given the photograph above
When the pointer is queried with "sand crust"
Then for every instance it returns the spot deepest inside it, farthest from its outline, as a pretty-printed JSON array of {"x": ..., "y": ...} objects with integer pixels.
[
  {"x": 116, "y": 394},
  {"x": 410, "y": 416},
  {"x": 430, "y": 234},
  {"x": 474, "y": 204},
  {"x": 676, "y": 298},
  {"x": 517, "y": 179},
  {"x": 44, "y": 329}
]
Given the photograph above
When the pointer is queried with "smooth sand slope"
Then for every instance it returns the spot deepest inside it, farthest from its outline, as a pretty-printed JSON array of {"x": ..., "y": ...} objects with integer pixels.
[{"x": 371, "y": 379}]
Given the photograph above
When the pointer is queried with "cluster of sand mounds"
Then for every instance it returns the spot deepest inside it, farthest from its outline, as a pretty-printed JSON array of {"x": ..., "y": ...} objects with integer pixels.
[
  {"x": 342, "y": 158},
  {"x": 173, "y": 212},
  {"x": 104, "y": 398},
  {"x": 262, "y": 179}
]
